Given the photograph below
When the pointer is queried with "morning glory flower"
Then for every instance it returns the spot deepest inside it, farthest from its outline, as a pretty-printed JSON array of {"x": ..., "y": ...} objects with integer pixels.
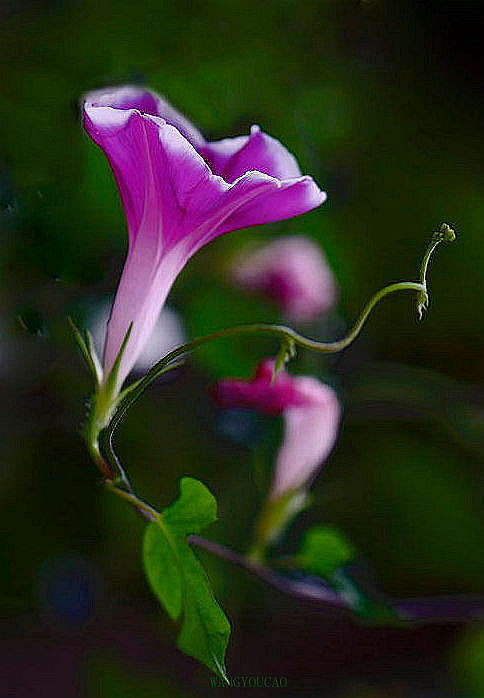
[
  {"x": 179, "y": 192},
  {"x": 293, "y": 270},
  {"x": 311, "y": 414}
]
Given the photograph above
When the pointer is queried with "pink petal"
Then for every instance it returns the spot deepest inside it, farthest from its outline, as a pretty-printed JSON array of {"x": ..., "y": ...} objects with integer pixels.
[
  {"x": 311, "y": 415},
  {"x": 141, "y": 293},
  {"x": 174, "y": 203},
  {"x": 219, "y": 153},
  {"x": 146, "y": 102},
  {"x": 158, "y": 171},
  {"x": 173, "y": 117},
  {"x": 233, "y": 157},
  {"x": 125, "y": 97},
  {"x": 262, "y": 392},
  {"x": 253, "y": 199},
  {"x": 310, "y": 433},
  {"x": 294, "y": 271},
  {"x": 127, "y": 139}
]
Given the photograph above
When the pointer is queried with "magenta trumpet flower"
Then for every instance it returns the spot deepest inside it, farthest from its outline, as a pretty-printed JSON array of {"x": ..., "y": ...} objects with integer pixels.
[
  {"x": 180, "y": 192},
  {"x": 311, "y": 414},
  {"x": 293, "y": 270}
]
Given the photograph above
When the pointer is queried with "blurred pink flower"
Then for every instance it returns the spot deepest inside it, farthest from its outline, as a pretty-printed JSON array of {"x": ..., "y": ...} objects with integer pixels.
[
  {"x": 179, "y": 192},
  {"x": 311, "y": 414},
  {"x": 292, "y": 270}
]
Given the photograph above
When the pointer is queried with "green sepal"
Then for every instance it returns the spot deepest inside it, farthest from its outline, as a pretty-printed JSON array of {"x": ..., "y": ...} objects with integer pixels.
[
  {"x": 178, "y": 579},
  {"x": 275, "y": 518},
  {"x": 112, "y": 378},
  {"x": 105, "y": 400},
  {"x": 286, "y": 353},
  {"x": 86, "y": 346}
]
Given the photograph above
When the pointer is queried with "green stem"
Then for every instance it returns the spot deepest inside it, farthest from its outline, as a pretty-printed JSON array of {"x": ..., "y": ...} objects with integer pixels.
[
  {"x": 102, "y": 408},
  {"x": 274, "y": 518},
  {"x": 144, "y": 509},
  {"x": 284, "y": 333},
  {"x": 103, "y": 436},
  {"x": 444, "y": 234},
  {"x": 173, "y": 359}
]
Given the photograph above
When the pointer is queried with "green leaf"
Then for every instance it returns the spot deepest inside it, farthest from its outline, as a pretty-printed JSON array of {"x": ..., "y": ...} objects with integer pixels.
[
  {"x": 324, "y": 550},
  {"x": 179, "y": 580},
  {"x": 163, "y": 569},
  {"x": 107, "y": 678}
]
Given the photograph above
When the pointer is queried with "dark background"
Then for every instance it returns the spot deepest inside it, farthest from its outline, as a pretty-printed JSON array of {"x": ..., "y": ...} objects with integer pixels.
[{"x": 383, "y": 103}]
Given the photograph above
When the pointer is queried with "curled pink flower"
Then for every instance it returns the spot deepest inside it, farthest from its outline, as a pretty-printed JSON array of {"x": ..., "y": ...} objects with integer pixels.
[
  {"x": 179, "y": 192},
  {"x": 311, "y": 414},
  {"x": 293, "y": 270}
]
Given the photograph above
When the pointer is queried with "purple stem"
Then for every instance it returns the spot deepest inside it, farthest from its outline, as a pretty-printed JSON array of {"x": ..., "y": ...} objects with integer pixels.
[
  {"x": 439, "y": 609},
  {"x": 301, "y": 590},
  {"x": 449, "y": 609}
]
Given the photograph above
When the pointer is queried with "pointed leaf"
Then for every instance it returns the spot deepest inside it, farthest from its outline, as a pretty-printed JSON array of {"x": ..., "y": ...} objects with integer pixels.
[
  {"x": 205, "y": 631},
  {"x": 179, "y": 580}
]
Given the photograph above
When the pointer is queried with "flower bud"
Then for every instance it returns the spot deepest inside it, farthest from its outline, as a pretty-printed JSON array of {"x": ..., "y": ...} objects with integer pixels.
[{"x": 311, "y": 414}]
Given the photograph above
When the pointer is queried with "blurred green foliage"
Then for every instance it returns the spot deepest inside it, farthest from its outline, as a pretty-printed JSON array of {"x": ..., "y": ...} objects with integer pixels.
[
  {"x": 469, "y": 662},
  {"x": 324, "y": 550},
  {"x": 381, "y": 102},
  {"x": 108, "y": 680}
]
